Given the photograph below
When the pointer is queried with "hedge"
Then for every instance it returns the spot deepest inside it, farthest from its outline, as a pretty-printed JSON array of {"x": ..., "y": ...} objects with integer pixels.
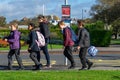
[{"x": 100, "y": 38}]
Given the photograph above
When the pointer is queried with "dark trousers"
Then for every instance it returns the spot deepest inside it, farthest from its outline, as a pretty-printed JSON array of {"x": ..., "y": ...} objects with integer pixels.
[
  {"x": 17, "y": 55},
  {"x": 68, "y": 54},
  {"x": 45, "y": 51},
  {"x": 33, "y": 56},
  {"x": 82, "y": 55}
]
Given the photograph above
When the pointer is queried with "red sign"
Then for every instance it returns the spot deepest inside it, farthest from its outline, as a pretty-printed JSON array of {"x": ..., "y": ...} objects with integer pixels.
[{"x": 66, "y": 11}]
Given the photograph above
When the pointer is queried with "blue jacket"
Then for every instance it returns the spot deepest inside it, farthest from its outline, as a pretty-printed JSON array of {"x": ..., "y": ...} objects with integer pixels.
[{"x": 32, "y": 37}]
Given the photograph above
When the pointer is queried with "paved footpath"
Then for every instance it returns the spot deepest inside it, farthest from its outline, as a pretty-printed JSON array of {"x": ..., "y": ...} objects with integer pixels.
[{"x": 108, "y": 58}]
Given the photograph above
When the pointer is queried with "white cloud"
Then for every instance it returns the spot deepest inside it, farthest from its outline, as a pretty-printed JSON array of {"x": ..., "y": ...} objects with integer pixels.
[{"x": 17, "y": 9}]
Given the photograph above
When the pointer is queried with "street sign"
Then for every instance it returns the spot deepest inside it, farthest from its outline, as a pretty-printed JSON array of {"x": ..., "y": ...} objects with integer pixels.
[{"x": 65, "y": 11}]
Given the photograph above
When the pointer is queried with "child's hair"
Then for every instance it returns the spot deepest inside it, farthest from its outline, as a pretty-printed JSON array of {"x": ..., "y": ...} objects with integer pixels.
[
  {"x": 61, "y": 23},
  {"x": 32, "y": 25},
  {"x": 43, "y": 18},
  {"x": 81, "y": 22},
  {"x": 15, "y": 25}
]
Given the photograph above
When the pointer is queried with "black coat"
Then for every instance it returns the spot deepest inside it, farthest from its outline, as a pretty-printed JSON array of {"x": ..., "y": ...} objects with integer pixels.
[
  {"x": 32, "y": 37},
  {"x": 44, "y": 29},
  {"x": 83, "y": 38}
]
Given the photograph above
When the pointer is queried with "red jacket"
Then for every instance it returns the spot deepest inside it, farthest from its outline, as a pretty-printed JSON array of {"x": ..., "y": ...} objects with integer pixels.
[{"x": 67, "y": 37}]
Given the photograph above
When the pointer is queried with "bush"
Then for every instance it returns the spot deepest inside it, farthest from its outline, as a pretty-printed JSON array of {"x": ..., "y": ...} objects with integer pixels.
[
  {"x": 3, "y": 43},
  {"x": 100, "y": 38},
  {"x": 99, "y": 25}
]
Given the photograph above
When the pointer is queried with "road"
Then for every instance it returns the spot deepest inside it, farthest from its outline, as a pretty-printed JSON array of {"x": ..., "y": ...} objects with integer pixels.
[{"x": 103, "y": 60}]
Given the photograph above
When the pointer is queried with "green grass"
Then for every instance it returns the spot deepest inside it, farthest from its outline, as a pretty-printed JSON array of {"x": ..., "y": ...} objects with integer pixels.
[
  {"x": 53, "y": 46},
  {"x": 115, "y": 41},
  {"x": 61, "y": 75}
]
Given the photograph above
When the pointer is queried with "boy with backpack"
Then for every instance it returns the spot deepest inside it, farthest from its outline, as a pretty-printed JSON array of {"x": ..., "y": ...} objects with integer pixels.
[
  {"x": 68, "y": 43},
  {"x": 34, "y": 48}
]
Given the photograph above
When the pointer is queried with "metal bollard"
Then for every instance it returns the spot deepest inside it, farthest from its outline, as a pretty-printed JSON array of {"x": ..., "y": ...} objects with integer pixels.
[{"x": 65, "y": 61}]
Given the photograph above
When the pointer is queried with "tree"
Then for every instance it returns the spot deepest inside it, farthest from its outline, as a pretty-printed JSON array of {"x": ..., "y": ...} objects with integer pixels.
[
  {"x": 24, "y": 21},
  {"x": 14, "y": 21},
  {"x": 2, "y": 21},
  {"x": 116, "y": 27},
  {"x": 106, "y": 10}
]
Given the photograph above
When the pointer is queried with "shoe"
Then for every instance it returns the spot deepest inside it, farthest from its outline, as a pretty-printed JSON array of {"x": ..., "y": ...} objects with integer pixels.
[
  {"x": 90, "y": 65},
  {"x": 83, "y": 68},
  {"x": 38, "y": 67},
  {"x": 10, "y": 68},
  {"x": 22, "y": 68},
  {"x": 47, "y": 66},
  {"x": 71, "y": 67}
]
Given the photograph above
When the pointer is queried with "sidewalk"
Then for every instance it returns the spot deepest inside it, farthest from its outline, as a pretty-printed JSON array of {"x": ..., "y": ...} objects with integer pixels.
[{"x": 108, "y": 58}]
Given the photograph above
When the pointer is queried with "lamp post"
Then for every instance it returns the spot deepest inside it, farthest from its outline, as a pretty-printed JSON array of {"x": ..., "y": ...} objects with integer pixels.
[
  {"x": 66, "y": 2},
  {"x": 43, "y": 10},
  {"x": 82, "y": 14},
  {"x": 65, "y": 59}
]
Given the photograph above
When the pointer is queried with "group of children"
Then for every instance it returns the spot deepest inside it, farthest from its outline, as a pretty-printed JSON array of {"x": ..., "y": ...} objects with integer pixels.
[
  {"x": 14, "y": 41},
  {"x": 82, "y": 44}
]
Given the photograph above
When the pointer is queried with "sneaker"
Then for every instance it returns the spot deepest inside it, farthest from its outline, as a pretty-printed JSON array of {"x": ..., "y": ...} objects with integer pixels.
[
  {"x": 90, "y": 65},
  {"x": 71, "y": 67},
  {"x": 38, "y": 67},
  {"x": 83, "y": 68},
  {"x": 47, "y": 66},
  {"x": 20, "y": 68},
  {"x": 10, "y": 68}
]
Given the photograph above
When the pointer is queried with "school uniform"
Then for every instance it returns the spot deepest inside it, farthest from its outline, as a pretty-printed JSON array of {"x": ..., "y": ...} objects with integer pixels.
[
  {"x": 14, "y": 42},
  {"x": 68, "y": 43},
  {"x": 84, "y": 43},
  {"x": 34, "y": 49}
]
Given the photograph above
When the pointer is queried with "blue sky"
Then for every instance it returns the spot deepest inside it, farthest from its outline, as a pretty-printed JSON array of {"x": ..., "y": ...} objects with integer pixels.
[{"x": 17, "y": 9}]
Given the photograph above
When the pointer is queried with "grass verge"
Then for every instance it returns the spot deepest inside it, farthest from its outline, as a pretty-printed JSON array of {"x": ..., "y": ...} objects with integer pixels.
[
  {"x": 53, "y": 46},
  {"x": 61, "y": 75},
  {"x": 115, "y": 41}
]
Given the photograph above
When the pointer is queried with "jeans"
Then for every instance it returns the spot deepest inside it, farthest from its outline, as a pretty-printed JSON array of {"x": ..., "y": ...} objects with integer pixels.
[
  {"x": 17, "y": 55},
  {"x": 47, "y": 56},
  {"x": 45, "y": 51},
  {"x": 82, "y": 55}
]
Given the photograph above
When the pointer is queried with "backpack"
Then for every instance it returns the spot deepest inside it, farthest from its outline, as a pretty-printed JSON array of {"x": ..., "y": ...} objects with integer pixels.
[
  {"x": 41, "y": 40},
  {"x": 74, "y": 36},
  {"x": 92, "y": 51}
]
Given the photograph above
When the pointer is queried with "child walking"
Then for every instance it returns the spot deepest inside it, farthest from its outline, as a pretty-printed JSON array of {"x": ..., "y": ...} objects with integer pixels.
[{"x": 14, "y": 41}]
